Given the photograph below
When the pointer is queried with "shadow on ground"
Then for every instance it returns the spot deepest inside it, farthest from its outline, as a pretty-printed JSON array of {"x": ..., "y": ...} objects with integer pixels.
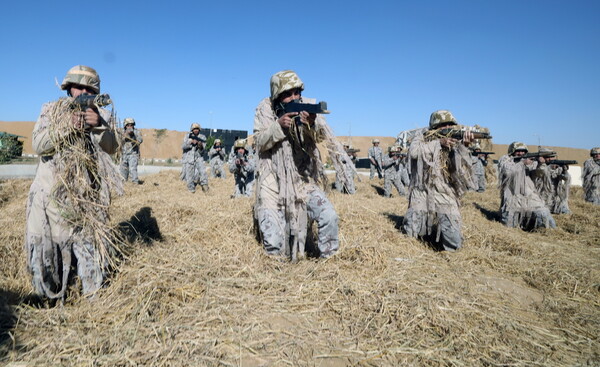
[
  {"x": 142, "y": 227},
  {"x": 492, "y": 215},
  {"x": 379, "y": 189}
]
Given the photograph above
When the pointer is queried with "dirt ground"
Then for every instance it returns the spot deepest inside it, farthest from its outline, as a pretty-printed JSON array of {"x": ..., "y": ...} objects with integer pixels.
[{"x": 197, "y": 289}]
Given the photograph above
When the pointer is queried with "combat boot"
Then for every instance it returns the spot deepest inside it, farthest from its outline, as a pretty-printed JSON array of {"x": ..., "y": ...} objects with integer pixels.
[{"x": 205, "y": 188}]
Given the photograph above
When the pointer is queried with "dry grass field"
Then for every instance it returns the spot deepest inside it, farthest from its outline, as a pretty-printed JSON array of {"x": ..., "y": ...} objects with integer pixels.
[{"x": 196, "y": 289}]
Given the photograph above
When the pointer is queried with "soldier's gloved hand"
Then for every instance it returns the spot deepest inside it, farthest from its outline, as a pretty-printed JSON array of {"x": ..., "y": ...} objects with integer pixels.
[{"x": 286, "y": 120}]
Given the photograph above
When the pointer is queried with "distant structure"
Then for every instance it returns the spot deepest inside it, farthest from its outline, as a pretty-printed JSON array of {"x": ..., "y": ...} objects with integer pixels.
[
  {"x": 11, "y": 146},
  {"x": 228, "y": 137}
]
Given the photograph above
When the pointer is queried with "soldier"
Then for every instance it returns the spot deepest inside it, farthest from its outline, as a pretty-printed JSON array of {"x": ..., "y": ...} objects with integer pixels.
[
  {"x": 552, "y": 182},
  {"x": 520, "y": 203},
  {"x": 393, "y": 170},
  {"x": 344, "y": 173},
  {"x": 242, "y": 165},
  {"x": 591, "y": 177},
  {"x": 376, "y": 158},
  {"x": 479, "y": 164},
  {"x": 130, "y": 150},
  {"x": 74, "y": 147},
  {"x": 288, "y": 193},
  {"x": 440, "y": 170},
  {"x": 216, "y": 155},
  {"x": 193, "y": 170}
]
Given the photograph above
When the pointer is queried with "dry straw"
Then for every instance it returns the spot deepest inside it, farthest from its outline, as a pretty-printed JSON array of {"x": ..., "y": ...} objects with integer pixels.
[
  {"x": 197, "y": 290},
  {"x": 85, "y": 176}
]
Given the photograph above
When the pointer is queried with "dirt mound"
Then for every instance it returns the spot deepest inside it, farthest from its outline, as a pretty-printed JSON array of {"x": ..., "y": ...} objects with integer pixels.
[{"x": 196, "y": 289}]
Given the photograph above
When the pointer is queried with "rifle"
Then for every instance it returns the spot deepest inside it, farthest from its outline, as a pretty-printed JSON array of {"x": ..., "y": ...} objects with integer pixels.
[
  {"x": 294, "y": 106},
  {"x": 378, "y": 169},
  {"x": 561, "y": 162},
  {"x": 486, "y": 153},
  {"x": 196, "y": 138},
  {"x": 85, "y": 101},
  {"x": 298, "y": 107},
  {"x": 460, "y": 134},
  {"x": 535, "y": 155}
]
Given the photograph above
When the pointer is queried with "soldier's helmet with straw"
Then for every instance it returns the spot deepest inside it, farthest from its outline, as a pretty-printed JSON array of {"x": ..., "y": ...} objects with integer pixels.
[
  {"x": 283, "y": 81},
  {"x": 441, "y": 117},
  {"x": 195, "y": 126},
  {"x": 594, "y": 151},
  {"x": 517, "y": 145},
  {"x": 129, "y": 121},
  {"x": 82, "y": 75}
]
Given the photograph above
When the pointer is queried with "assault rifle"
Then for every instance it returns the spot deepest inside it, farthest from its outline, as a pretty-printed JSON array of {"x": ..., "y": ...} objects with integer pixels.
[
  {"x": 196, "y": 139},
  {"x": 561, "y": 162},
  {"x": 485, "y": 153},
  {"x": 85, "y": 101},
  {"x": 535, "y": 155},
  {"x": 460, "y": 134},
  {"x": 294, "y": 106}
]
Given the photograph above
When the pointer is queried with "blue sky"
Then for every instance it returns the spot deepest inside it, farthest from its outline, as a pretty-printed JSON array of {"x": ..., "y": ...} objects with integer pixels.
[{"x": 526, "y": 69}]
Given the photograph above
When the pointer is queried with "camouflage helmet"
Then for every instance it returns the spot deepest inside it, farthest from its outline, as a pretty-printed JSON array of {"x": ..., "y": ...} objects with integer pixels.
[
  {"x": 240, "y": 143},
  {"x": 441, "y": 117},
  {"x": 546, "y": 152},
  {"x": 284, "y": 81},
  {"x": 516, "y": 145},
  {"x": 195, "y": 125},
  {"x": 594, "y": 151},
  {"x": 82, "y": 75},
  {"x": 129, "y": 121},
  {"x": 217, "y": 141},
  {"x": 374, "y": 141},
  {"x": 475, "y": 147}
]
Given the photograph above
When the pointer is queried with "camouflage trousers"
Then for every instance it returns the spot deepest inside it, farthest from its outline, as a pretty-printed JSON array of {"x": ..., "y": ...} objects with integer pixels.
[
  {"x": 272, "y": 225},
  {"x": 393, "y": 180},
  {"x": 195, "y": 174},
  {"x": 374, "y": 172},
  {"x": 50, "y": 266},
  {"x": 445, "y": 230},
  {"x": 528, "y": 219},
  {"x": 129, "y": 167},
  {"x": 243, "y": 185},
  {"x": 480, "y": 182},
  {"x": 217, "y": 170}
]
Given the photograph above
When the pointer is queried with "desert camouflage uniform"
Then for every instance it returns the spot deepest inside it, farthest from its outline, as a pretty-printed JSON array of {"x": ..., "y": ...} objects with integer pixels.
[
  {"x": 377, "y": 154},
  {"x": 553, "y": 185},
  {"x": 521, "y": 205},
  {"x": 393, "y": 172},
  {"x": 288, "y": 195},
  {"x": 217, "y": 161},
  {"x": 434, "y": 195},
  {"x": 346, "y": 171},
  {"x": 479, "y": 173},
  {"x": 193, "y": 170},
  {"x": 130, "y": 155},
  {"x": 243, "y": 174},
  {"x": 439, "y": 177},
  {"x": 591, "y": 180},
  {"x": 50, "y": 240}
]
